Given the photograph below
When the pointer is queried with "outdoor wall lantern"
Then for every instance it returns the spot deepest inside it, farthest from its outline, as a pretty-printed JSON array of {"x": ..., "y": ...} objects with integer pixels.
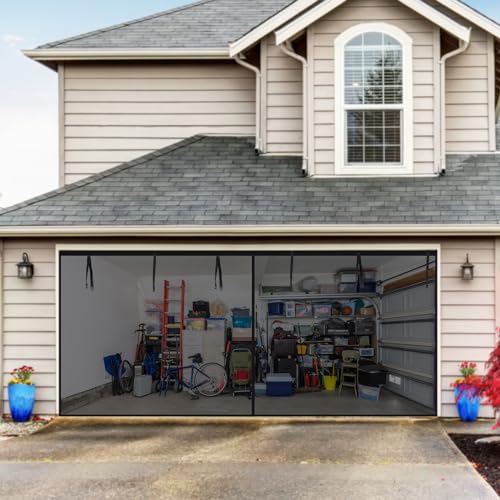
[
  {"x": 467, "y": 270},
  {"x": 25, "y": 269}
]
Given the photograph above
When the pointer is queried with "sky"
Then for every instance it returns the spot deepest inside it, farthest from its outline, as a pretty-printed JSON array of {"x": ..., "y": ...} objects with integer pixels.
[{"x": 28, "y": 90}]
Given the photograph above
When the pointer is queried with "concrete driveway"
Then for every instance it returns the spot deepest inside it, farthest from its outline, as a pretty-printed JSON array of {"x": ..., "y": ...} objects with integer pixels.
[{"x": 88, "y": 459}]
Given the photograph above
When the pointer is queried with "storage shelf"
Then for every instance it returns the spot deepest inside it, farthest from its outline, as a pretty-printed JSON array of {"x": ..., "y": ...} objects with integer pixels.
[
  {"x": 317, "y": 296},
  {"x": 351, "y": 316}
]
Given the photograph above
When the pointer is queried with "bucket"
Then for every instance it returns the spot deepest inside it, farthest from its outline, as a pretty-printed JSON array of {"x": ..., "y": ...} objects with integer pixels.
[
  {"x": 301, "y": 349},
  {"x": 330, "y": 382}
]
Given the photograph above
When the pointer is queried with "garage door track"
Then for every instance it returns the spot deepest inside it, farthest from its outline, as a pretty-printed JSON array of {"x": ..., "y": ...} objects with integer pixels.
[{"x": 87, "y": 459}]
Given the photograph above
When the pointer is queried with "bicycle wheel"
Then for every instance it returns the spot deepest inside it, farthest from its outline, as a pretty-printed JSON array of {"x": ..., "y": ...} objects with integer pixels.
[
  {"x": 126, "y": 377},
  {"x": 210, "y": 380}
]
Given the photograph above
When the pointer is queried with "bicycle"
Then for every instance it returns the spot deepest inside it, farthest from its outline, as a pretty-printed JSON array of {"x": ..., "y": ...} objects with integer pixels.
[
  {"x": 121, "y": 372},
  {"x": 209, "y": 379}
]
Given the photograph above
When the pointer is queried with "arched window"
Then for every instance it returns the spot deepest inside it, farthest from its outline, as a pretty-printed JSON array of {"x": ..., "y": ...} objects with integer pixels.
[{"x": 373, "y": 101}]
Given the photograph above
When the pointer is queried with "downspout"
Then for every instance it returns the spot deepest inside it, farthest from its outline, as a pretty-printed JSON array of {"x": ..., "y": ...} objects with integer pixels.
[
  {"x": 463, "y": 46},
  {"x": 287, "y": 48},
  {"x": 240, "y": 59}
]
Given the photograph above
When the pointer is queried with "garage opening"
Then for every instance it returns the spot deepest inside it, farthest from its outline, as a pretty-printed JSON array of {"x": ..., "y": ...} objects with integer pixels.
[{"x": 278, "y": 333}]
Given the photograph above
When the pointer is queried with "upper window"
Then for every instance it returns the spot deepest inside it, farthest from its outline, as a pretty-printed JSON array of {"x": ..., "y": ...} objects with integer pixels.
[{"x": 372, "y": 126}]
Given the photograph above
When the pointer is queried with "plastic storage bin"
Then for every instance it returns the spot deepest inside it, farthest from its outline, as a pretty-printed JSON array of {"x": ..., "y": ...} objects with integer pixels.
[
  {"x": 242, "y": 334},
  {"x": 216, "y": 325},
  {"x": 367, "y": 392},
  {"x": 276, "y": 308},
  {"x": 242, "y": 321},
  {"x": 322, "y": 310},
  {"x": 240, "y": 311},
  {"x": 279, "y": 384},
  {"x": 196, "y": 324},
  {"x": 142, "y": 385},
  {"x": 303, "y": 310}
]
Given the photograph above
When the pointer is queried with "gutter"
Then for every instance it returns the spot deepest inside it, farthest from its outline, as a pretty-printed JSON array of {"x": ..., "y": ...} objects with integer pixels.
[
  {"x": 295, "y": 231},
  {"x": 287, "y": 49},
  {"x": 463, "y": 46},
  {"x": 47, "y": 55},
  {"x": 240, "y": 59}
]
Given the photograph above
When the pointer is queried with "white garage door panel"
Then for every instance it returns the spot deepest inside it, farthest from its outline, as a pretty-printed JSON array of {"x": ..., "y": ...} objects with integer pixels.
[
  {"x": 408, "y": 342},
  {"x": 422, "y": 332}
]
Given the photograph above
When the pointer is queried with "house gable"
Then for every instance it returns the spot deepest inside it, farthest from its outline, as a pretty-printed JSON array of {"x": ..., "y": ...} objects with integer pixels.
[{"x": 291, "y": 29}]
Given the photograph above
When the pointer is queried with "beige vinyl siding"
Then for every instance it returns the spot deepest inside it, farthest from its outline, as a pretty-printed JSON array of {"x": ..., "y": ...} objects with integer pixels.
[
  {"x": 116, "y": 112},
  {"x": 467, "y": 313},
  {"x": 470, "y": 102},
  {"x": 29, "y": 320},
  {"x": 467, "y": 97},
  {"x": 324, "y": 33},
  {"x": 282, "y": 94}
]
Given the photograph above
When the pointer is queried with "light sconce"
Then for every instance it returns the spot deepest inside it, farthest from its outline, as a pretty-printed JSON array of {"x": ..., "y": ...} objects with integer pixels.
[
  {"x": 25, "y": 269},
  {"x": 467, "y": 270}
]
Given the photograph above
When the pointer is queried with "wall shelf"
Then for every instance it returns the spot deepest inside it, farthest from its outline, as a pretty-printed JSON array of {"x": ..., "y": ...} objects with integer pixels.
[{"x": 304, "y": 297}]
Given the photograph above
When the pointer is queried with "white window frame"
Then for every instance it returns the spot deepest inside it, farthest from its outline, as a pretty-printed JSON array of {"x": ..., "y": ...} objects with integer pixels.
[{"x": 406, "y": 165}]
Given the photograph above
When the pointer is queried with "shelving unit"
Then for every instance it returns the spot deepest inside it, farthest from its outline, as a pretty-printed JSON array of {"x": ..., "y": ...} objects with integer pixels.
[{"x": 312, "y": 298}]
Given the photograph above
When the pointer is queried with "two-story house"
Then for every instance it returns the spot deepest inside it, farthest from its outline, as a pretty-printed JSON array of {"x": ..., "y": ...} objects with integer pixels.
[{"x": 340, "y": 158}]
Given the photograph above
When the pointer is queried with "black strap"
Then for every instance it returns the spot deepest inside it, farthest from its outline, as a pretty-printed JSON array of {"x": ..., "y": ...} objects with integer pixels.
[
  {"x": 291, "y": 270},
  {"x": 218, "y": 271},
  {"x": 154, "y": 273},
  {"x": 89, "y": 272},
  {"x": 359, "y": 273},
  {"x": 427, "y": 271}
]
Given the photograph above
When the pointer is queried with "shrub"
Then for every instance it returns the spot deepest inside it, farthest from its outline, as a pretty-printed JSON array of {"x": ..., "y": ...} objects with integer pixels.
[{"x": 491, "y": 382}]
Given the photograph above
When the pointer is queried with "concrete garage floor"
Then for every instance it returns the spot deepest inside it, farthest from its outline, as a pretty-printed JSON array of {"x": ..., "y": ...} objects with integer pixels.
[
  {"x": 314, "y": 403},
  {"x": 85, "y": 458}
]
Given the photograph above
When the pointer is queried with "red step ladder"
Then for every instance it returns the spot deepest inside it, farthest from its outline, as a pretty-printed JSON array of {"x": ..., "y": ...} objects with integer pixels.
[{"x": 172, "y": 332}]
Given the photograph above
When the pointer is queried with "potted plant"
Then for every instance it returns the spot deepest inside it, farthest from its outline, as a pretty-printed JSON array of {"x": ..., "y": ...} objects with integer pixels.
[
  {"x": 491, "y": 383},
  {"x": 468, "y": 392},
  {"x": 21, "y": 394}
]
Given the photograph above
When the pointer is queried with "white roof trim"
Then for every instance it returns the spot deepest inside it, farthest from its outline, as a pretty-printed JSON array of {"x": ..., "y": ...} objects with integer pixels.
[
  {"x": 298, "y": 231},
  {"x": 473, "y": 16},
  {"x": 298, "y": 25},
  {"x": 268, "y": 26},
  {"x": 126, "y": 54}
]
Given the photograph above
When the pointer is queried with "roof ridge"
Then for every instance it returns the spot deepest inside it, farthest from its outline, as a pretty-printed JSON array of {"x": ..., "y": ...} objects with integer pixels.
[
  {"x": 122, "y": 25},
  {"x": 106, "y": 173}
]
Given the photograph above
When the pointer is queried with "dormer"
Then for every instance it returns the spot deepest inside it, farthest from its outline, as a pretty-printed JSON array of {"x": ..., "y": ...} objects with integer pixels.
[{"x": 383, "y": 88}]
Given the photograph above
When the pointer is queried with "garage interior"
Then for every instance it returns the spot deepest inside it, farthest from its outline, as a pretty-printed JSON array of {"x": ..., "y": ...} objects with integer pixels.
[{"x": 275, "y": 334}]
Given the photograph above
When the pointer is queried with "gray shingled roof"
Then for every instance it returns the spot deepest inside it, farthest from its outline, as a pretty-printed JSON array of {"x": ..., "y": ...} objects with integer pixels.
[
  {"x": 205, "y": 24},
  {"x": 208, "y": 180}
]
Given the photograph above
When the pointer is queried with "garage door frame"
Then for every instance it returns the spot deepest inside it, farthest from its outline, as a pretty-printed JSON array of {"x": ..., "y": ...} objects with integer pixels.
[{"x": 259, "y": 248}]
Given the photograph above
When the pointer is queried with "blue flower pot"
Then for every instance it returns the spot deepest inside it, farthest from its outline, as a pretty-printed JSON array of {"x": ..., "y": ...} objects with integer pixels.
[
  {"x": 468, "y": 403},
  {"x": 21, "y": 401}
]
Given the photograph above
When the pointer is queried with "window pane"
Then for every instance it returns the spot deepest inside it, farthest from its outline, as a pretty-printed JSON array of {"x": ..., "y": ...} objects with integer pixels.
[
  {"x": 373, "y": 136},
  {"x": 374, "y": 154},
  {"x": 388, "y": 40},
  {"x": 355, "y": 137},
  {"x": 373, "y": 58},
  {"x": 355, "y": 154},
  {"x": 373, "y": 38},
  {"x": 356, "y": 41},
  {"x": 392, "y": 135},
  {"x": 393, "y": 154}
]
